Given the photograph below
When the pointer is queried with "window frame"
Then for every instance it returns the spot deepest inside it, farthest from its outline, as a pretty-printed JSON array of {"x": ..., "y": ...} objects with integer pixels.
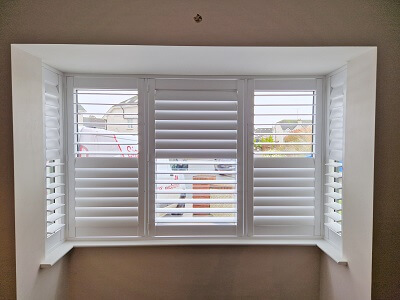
[
  {"x": 194, "y": 231},
  {"x": 288, "y": 84},
  {"x": 245, "y": 225},
  {"x": 74, "y": 82}
]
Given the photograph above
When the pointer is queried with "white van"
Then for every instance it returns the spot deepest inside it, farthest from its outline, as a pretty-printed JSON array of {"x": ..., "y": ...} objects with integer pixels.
[{"x": 105, "y": 141}]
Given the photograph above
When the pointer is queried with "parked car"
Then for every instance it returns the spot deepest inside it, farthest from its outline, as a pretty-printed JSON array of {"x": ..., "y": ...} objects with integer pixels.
[{"x": 224, "y": 167}]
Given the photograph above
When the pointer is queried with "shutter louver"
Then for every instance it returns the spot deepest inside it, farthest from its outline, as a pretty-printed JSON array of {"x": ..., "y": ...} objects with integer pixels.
[
  {"x": 334, "y": 164},
  {"x": 284, "y": 168},
  {"x": 284, "y": 196},
  {"x": 106, "y": 163},
  {"x": 195, "y": 155},
  {"x": 106, "y": 196},
  {"x": 54, "y": 152}
]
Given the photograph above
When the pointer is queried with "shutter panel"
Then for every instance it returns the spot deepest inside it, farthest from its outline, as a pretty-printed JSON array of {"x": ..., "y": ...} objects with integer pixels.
[
  {"x": 334, "y": 163},
  {"x": 55, "y": 201},
  {"x": 196, "y": 176},
  {"x": 106, "y": 164},
  {"x": 284, "y": 167}
]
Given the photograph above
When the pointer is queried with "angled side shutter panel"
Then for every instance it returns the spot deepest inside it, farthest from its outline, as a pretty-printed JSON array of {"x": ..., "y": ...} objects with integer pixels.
[
  {"x": 336, "y": 107},
  {"x": 54, "y": 152},
  {"x": 195, "y": 131},
  {"x": 335, "y": 143}
]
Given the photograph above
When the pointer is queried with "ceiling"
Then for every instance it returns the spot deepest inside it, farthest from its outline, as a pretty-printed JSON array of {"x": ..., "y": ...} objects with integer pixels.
[{"x": 193, "y": 60}]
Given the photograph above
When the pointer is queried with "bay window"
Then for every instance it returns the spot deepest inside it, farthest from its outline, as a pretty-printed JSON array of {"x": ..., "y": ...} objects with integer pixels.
[
  {"x": 126, "y": 160},
  {"x": 200, "y": 157},
  {"x": 246, "y": 146}
]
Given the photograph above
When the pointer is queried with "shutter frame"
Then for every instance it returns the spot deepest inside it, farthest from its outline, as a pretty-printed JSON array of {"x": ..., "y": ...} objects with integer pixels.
[
  {"x": 279, "y": 185},
  {"x": 217, "y": 135},
  {"x": 107, "y": 201}
]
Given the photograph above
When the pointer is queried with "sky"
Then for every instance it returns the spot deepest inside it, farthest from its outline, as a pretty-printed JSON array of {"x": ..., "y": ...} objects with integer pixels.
[{"x": 302, "y": 106}]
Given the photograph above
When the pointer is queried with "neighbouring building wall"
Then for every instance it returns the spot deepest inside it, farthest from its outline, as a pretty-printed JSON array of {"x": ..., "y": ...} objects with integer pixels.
[{"x": 233, "y": 22}]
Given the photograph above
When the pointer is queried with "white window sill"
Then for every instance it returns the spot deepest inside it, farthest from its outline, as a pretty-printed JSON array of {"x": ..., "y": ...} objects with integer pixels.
[
  {"x": 56, "y": 254},
  {"x": 64, "y": 248}
]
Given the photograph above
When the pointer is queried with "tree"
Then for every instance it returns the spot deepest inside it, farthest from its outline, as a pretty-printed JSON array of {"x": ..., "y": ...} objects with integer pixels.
[{"x": 263, "y": 139}]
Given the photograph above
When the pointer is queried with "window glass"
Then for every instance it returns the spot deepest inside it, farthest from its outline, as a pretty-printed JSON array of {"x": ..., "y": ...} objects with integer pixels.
[
  {"x": 106, "y": 123},
  {"x": 284, "y": 124}
]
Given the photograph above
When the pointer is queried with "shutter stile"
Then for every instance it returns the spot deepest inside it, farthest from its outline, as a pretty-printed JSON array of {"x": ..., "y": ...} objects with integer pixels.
[
  {"x": 106, "y": 163},
  {"x": 55, "y": 201},
  {"x": 195, "y": 156},
  {"x": 284, "y": 170},
  {"x": 334, "y": 165}
]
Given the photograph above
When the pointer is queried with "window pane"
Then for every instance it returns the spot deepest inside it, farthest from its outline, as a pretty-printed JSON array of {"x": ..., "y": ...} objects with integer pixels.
[
  {"x": 284, "y": 124},
  {"x": 106, "y": 123}
]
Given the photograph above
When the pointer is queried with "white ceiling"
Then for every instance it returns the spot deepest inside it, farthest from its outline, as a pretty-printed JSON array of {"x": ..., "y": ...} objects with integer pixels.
[{"x": 193, "y": 60}]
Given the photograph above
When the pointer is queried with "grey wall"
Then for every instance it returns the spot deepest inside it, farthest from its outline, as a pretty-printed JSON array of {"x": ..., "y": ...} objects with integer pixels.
[{"x": 233, "y": 22}]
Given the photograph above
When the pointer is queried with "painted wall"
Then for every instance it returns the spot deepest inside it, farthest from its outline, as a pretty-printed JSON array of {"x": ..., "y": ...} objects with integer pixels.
[
  {"x": 233, "y": 22},
  {"x": 219, "y": 272}
]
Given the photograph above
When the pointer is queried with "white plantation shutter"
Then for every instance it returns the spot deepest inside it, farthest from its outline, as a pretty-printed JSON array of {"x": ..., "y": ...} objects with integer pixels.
[
  {"x": 106, "y": 182},
  {"x": 285, "y": 163},
  {"x": 55, "y": 202},
  {"x": 106, "y": 196},
  {"x": 195, "y": 156},
  {"x": 334, "y": 163},
  {"x": 284, "y": 196}
]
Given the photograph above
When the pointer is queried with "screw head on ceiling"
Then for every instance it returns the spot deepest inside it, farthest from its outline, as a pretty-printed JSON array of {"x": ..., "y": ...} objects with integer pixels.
[{"x": 197, "y": 18}]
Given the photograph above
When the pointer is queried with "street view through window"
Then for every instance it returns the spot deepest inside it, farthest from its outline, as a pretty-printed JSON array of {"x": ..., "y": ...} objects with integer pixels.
[{"x": 284, "y": 124}]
